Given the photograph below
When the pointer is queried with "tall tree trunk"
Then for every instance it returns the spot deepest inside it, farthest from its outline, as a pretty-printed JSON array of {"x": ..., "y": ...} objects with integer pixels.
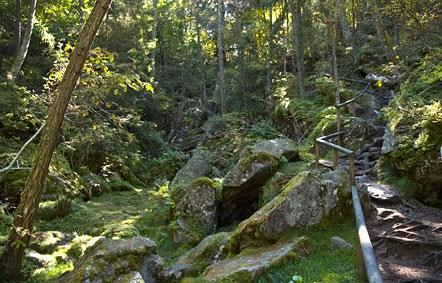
[
  {"x": 20, "y": 58},
  {"x": 154, "y": 35},
  {"x": 238, "y": 23},
  {"x": 378, "y": 23},
  {"x": 298, "y": 48},
  {"x": 17, "y": 27},
  {"x": 25, "y": 214},
  {"x": 332, "y": 32},
  {"x": 270, "y": 66},
  {"x": 344, "y": 24},
  {"x": 221, "y": 57},
  {"x": 200, "y": 51}
]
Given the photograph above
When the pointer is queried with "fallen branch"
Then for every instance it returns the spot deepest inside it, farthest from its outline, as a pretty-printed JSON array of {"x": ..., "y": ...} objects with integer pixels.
[{"x": 21, "y": 150}]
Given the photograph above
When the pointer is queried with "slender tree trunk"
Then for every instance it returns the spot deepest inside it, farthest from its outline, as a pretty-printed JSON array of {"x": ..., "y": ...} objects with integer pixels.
[
  {"x": 378, "y": 23},
  {"x": 298, "y": 48},
  {"x": 154, "y": 35},
  {"x": 238, "y": 23},
  {"x": 200, "y": 51},
  {"x": 270, "y": 64},
  {"x": 25, "y": 214},
  {"x": 221, "y": 57},
  {"x": 348, "y": 37},
  {"x": 332, "y": 31},
  {"x": 17, "y": 26},
  {"x": 20, "y": 58}
]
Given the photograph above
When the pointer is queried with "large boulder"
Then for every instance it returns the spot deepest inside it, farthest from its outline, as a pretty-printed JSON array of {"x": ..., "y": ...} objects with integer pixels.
[
  {"x": 242, "y": 187},
  {"x": 212, "y": 249},
  {"x": 198, "y": 206},
  {"x": 416, "y": 139},
  {"x": 252, "y": 263},
  {"x": 198, "y": 166},
  {"x": 121, "y": 260},
  {"x": 278, "y": 147},
  {"x": 311, "y": 198}
]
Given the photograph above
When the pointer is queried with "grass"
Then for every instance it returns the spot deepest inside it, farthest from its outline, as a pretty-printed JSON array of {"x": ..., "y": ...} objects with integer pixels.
[{"x": 323, "y": 264}]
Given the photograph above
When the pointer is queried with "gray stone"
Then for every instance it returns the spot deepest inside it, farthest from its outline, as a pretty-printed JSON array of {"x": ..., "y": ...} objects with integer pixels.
[
  {"x": 390, "y": 142},
  {"x": 278, "y": 147},
  {"x": 242, "y": 187},
  {"x": 199, "y": 203},
  {"x": 116, "y": 260},
  {"x": 198, "y": 166},
  {"x": 38, "y": 259},
  {"x": 212, "y": 249},
  {"x": 308, "y": 199},
  {"x": 339, "y": 243},
  {"x": 249, "y": 266}
]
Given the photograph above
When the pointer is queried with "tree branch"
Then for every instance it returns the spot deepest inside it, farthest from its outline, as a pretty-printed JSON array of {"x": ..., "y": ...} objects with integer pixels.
[{"x": 21, "y": 150}]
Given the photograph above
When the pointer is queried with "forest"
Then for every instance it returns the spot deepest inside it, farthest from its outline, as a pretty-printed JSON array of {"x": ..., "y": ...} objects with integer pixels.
[{"x": 184, "y": 140}]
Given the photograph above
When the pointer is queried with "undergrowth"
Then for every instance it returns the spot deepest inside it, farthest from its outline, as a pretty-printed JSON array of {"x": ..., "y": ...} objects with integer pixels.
[{"x": 323, "y": 264}]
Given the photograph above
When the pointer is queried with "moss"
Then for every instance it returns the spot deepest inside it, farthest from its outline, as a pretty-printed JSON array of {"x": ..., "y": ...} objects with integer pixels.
[{"x": 260, "y": 157}]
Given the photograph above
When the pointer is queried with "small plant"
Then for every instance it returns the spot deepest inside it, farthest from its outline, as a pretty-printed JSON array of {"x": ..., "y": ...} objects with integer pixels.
[{"x": 296, "y": 279}]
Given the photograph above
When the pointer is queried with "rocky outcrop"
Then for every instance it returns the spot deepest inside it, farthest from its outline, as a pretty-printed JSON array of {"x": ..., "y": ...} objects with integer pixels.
[
  {"x": 242, "y": 187},
  {"x": 122, "y": 260},
  {"x": 212, "y": 249},
  {"x": 198, "y": 166},
  {"x": 311, "y": 198},
  {"x": 278, "y": 147},
  {"x": 249, "y": 265},
  {"x": 196, "y": 212}
]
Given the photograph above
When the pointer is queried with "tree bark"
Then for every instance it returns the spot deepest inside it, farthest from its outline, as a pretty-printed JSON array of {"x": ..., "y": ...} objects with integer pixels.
[
  {"x": 343, "y": 22},
  {"x": 24, "y": 46},
  {"x": 17, "y": 26},
  {"x": 221, "y": 57},
  {"x": 270, "y": 64},
  {"x": 154, "y": 35},
  {"x": 25, "y": 214},
  {"x": 298, "y": 48},
  {"x": 239, "y": 27},
  {"x": 200, "y": 51},
  {"x": 332, "y": 31}
]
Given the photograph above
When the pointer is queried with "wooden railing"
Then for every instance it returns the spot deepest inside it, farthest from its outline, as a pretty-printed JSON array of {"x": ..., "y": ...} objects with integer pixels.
[{"x": 367, "y": 264}]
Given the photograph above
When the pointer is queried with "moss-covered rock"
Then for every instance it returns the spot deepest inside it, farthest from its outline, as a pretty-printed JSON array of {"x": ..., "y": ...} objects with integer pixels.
[
  {"x": 120, "y": 231},
  {"x": 277, "y": 147},
  {"x": 212, "y": 249},
  {"x": 197, "y": 207},
  {"x": 416, "y": 139},
  {"x": 198, "y": 166},
  {"x": 311, "y": 198},
  {"x": 79, "y": 245},
  {"x": 251, "y": 263},
  {"x": 114, "y": 261},
  {"x": 242, "y": 187}
]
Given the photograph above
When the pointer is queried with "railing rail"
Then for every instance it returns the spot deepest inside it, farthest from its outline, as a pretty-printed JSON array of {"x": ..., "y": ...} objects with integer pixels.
[{"x": 367, "y": 264}]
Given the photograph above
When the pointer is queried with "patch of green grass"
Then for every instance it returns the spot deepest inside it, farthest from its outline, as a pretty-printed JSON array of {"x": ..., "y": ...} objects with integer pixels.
[{"x": 323, "y": 264}]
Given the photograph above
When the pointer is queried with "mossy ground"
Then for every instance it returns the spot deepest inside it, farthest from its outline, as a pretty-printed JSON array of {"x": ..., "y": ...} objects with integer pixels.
[
  {"x": 148, "y": 215},
  {"x": 323, "y": 264}
]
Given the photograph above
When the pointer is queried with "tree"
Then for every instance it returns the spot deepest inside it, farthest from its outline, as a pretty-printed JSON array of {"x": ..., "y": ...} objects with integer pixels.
[
  {"x": 17, "y": 26},
  {"x": 221, "y": 57},
  {"x": 296, "y": 13},
  {"x": 25, "y": 214},
  {"x": 21, "y": 55}
]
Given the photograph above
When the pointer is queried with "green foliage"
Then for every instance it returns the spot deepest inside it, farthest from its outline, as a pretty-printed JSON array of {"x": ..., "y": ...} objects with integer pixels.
[
  {"x": 166, "y": 166},
  {"x": 120, "y": 231}
]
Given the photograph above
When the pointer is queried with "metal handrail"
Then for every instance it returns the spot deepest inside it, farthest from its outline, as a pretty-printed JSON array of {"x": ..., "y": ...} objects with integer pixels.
[{"x": 367, "y": 264}]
